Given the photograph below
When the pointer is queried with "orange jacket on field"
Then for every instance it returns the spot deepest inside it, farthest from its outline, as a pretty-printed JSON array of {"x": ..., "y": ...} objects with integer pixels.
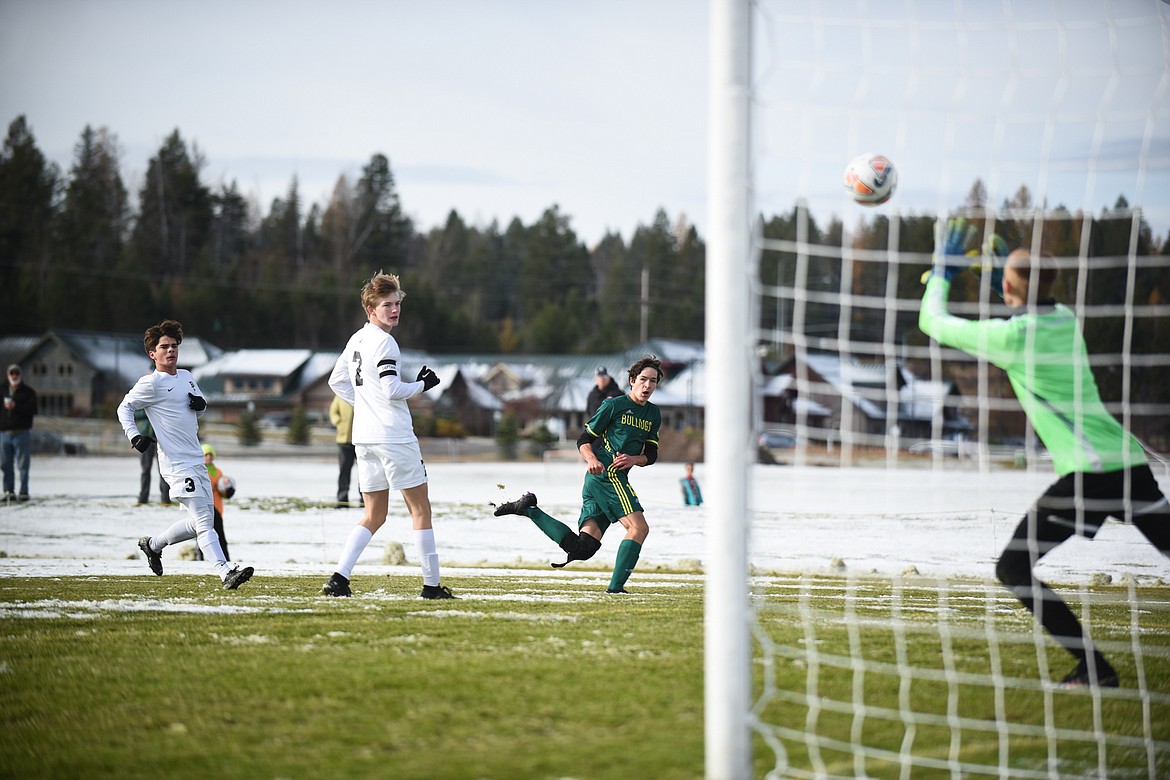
[{"x": 214, "y": 472}]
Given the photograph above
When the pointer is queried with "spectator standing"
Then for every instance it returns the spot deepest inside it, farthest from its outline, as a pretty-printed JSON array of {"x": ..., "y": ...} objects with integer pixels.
[
  {"x": 603, "y": 387},
  {"x": 341, "y": 415},
  {"x": 692, "y": 496},
  {"x": 16, "y": 421}
]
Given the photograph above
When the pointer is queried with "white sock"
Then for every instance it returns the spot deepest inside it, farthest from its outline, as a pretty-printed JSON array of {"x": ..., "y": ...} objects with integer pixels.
[
  {"x": 355, "y": 545},
  {"x": 424, "y": 542},
  {"x": 180, "y": 531}
]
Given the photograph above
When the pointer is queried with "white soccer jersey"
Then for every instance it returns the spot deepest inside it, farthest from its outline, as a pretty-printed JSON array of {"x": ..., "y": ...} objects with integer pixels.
[
  {"x": 366, "y": 375},
  {"x": 176, "y": 425}
]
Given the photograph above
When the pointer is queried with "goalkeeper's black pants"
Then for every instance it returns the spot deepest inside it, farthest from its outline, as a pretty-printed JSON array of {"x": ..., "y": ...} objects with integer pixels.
[{"x": 1078, "y": 504}]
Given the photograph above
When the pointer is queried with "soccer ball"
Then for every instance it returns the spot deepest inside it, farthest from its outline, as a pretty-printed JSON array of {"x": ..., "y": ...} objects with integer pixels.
[
  {"x": 226, "y": 486},
  {"x": 870, "y": 179}
]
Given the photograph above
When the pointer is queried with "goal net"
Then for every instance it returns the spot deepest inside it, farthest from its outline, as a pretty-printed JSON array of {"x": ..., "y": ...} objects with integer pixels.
[{"x": 857, "y": 628}]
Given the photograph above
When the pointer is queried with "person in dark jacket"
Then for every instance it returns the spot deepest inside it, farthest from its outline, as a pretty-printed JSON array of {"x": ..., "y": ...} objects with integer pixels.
[
  {"x": 604, "y": 387},
  {"x": 16, "y": 420}
]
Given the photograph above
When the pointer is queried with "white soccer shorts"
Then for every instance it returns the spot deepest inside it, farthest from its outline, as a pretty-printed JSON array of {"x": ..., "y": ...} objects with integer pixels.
[{"x": 390, "y": 466}]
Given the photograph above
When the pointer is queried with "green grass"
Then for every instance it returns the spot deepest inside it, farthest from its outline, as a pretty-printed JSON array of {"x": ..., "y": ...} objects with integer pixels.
[
  {"x": 524, "y": 677},
  {"x": 971, "y": 681}
]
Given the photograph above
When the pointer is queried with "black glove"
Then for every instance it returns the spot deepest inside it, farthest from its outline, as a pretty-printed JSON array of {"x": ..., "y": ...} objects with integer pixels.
[
  {"x": 198, "y": 403},
  {"x": 141, "y": 443},
  {"x": 428, "y": 378}
]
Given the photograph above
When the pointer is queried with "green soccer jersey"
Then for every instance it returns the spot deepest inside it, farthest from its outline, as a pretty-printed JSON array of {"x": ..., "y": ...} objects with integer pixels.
[
  {"x": 621, "y": 425},
  {"x": 1044, "y": 355}
]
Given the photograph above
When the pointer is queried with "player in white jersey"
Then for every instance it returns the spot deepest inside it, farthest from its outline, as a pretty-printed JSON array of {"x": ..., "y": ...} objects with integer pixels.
[
  {"x": 173, "y": 404},
  {"x": 388, "y": 455}
]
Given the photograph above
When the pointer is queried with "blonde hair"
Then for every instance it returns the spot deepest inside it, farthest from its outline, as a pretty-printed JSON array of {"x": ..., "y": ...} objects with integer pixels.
[{"x": 379, "y": 286}]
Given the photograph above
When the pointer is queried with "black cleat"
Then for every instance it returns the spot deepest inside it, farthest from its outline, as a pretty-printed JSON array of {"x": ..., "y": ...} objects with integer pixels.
[
  {"x": 518, "y": 506},
  {"x": 1082, "y": 677},
  {"x": 237, "y": 577},
  {"x": 621, "y": 591},
  {"x": 436, "y": 592},
  {"x": 152, "y": 558},
  {"x": 337, "y": 586}
]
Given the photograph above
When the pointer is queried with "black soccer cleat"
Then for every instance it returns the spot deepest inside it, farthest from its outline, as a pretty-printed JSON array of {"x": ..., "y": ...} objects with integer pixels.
[
  {"x": 436, "y": 592},
  {"x": 1082, "y": 677},
  {"x": 237, "y": 577},
  {"x": 337, "y": 586},
  {"x": 518, "y": 506},
  {"x": 152, "y": 558},
  {"x": 618, "y": 591}
]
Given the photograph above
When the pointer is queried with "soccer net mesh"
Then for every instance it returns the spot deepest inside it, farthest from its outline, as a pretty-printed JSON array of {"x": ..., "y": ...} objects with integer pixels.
[{"x": 889, "y": 650}]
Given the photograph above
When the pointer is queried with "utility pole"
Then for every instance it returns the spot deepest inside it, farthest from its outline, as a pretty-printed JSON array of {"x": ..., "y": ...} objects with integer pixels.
[{"x": 645, "y": 304}]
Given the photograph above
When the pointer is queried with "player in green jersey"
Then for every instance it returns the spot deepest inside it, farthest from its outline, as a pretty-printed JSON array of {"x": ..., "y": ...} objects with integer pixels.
[
  {"x": 622, "y": 433},
  {"x": 1101, "y": 467}
]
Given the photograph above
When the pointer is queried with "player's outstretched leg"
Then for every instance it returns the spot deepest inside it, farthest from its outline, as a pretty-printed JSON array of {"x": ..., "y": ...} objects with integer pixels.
[
  {"x": 578, "y": 547},
  {"x": 517, "y": 507}
]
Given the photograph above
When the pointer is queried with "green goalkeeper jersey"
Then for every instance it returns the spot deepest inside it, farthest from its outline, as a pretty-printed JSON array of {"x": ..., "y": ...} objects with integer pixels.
[
  {"x": 1044, "y": 355},
  {"x": 621, "y": 425}
]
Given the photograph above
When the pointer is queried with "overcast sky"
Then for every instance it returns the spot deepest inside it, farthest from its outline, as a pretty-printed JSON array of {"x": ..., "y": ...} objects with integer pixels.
[{"x": 500, "y": 109}]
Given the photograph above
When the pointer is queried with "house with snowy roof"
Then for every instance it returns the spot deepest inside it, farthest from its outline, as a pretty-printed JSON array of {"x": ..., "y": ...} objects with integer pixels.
[
  {"x": 865, "y": 401},
  {"x": 265, "y": 382},
  {"x": 78, "y": 373}
]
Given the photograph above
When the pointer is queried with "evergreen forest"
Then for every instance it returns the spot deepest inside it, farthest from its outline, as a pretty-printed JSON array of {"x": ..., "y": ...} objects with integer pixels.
[{"x": 77, "y": 250}]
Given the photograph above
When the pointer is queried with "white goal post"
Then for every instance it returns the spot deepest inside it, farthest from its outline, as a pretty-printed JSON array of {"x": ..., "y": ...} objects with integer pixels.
[{"x": 727, "y": 449}]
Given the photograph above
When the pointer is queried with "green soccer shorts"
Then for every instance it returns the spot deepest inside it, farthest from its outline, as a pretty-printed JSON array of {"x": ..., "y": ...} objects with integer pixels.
[{"x": 607, "y": 499}]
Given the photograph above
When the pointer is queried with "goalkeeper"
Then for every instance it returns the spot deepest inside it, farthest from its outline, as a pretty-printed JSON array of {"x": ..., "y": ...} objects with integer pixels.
[
  {"x": 1102, "y": 469},
  {"x": 621, "y": 434}
]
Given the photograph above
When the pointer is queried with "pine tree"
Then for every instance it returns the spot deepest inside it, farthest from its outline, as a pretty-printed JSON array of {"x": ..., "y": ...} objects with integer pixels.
[
  {"x": 92, "y": 233},
  {"x": 175, "y": 216},
  {"x": 298, "y": 426},
  {"x": 28, "y": 187}
]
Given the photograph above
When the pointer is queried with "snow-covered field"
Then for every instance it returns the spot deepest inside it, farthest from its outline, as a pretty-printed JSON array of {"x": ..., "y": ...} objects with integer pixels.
[{"x": 83, "y": 520}]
